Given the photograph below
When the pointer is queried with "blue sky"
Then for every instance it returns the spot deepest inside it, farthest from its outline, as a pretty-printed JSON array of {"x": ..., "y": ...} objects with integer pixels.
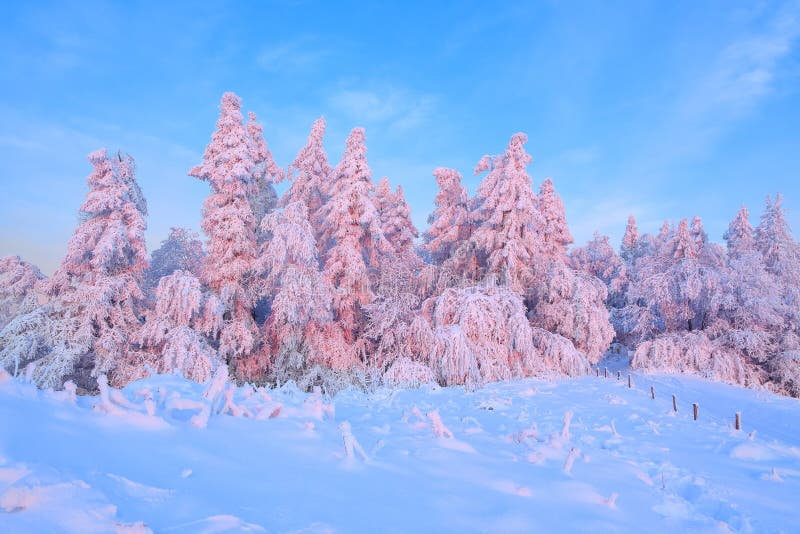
[{"x": 660, "y": 109}]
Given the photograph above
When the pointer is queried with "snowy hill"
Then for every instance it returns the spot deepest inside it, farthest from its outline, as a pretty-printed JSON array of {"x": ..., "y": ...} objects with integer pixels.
[{"x": 580, "y": 455}]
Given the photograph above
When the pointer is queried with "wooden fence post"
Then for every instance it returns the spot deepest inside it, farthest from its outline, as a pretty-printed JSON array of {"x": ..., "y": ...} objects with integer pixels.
[
  {"x": 652, "y": 392},
  {"x": 630, "y": 385},
  {"x": 738, "y": 421},
  {"x": 605, "y": 372},
  {"x": 695, "y": 408},
  {"x": 674, "y": 404},
  {"x": 597, "y": 372},
  {"x": 619, "y": 375}
]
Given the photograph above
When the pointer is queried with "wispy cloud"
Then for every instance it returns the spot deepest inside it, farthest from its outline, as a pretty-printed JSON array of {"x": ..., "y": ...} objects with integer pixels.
[
  {"x": 744, "y": 73},
  {"x": 746, "y": 69},
  {"x": 298, "y": 54},
  {"x": 401, "y": 110}
]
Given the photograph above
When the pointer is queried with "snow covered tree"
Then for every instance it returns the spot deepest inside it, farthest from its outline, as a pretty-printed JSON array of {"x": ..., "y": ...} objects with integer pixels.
[
  {"x": 571, "y": 304},
  {"x": 553, "y": 229},
  {"x": 180, "y": 251},
  {"x": 393, "y": 324},
  {"x": 91, "y": 319},
  {"x": 598, "y": 259},
  {"x": 677, "y": 286},
  {"x": 299, "y": 299},
  {"x": 739, "y": 235},
  {"x": 352, "y": 236},
  {"x": 177, "y": 332},
  {"x": 18, "y": 281},
  {"x": 266, "y": 172},
  {"x": 310, "y": 184},
  {"x": 781, "y": 256},
  {"x": 481, "y": 334},
  {"x": 230, "y": 225},
  {"x": 698, "y": 233},
  {"x": 449, "y": 222},
  {"x": 395, "y": 217},
  {"x": 630, "y": 242},
  {"x": 506, "y": 238},
  {"x": 774, "y": 241}
]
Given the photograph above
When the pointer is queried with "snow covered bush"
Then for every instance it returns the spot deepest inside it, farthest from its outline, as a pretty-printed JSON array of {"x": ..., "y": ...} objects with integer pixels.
[
  {"x": 481, "y": 334},
  {"x": 572, "y": 304},
  {"x": 694, "y": 353},
  {"x": 178, "y": 332}
]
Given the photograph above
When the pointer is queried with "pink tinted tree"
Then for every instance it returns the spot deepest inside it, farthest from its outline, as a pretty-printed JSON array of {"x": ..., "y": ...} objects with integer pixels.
[
  {"x": 506, "y": 237},
  {"x": 299, "y": 299},
  {"x": 449, "y": 222},
  {"x": 630, "y": 242},
  {"x": 18, "y": 281},
  {"x": 553, "y": 228},
  {"x": 310, "y": 184},
  {"x": 396, "y": 223},
  {"x": 599, "y": 259},
  {"x": 180, "y": 251},
  {"x": 92, "y": 316},
  {"x": 230, "y": 225},
  {"x": 571, "y": 304},
  {"x": 774, "y": 241},
  {"x": 266, "y": 172},
  {"x": 352, "y": 236},
  {"x": 177, "y": 332},
  {"x": 739, "y": 235}
]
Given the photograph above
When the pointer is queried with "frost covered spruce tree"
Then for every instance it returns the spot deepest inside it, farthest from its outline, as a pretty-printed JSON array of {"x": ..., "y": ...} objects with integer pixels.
[
  {"x": 566, "y": 305},
  {"x": 352, "y": 237},
  {"x": 687, "y": 308},
  {"x": 449, "y": 223},
  {"x": 781, "y": 254},
  {"x": 312, "y": 172},
  {"x": 297, "y": 333},
  {"x": 395, "y": 217},
  {"x": 506, "y": 239},
  {"x": 180, "y": 251},
  {"x": 18, "y": 282},
  {"x": 553, "y": 228},
  {"x": 230, "y": 225},
  {"x": 265, "y": 173},
  {"x": 89, "y": 324}
]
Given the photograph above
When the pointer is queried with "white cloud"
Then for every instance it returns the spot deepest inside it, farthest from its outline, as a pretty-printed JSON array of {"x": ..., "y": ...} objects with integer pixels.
[
  {"x": 399, "y": 109},
  {"x": 738, "y": 80},
  {"x": 293, "y": 55},
  {"x": 746, "y": 68}
]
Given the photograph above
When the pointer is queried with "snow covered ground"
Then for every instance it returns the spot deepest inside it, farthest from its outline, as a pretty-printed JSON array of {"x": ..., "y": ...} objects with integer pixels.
[{"x": 581, "y": 455}]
